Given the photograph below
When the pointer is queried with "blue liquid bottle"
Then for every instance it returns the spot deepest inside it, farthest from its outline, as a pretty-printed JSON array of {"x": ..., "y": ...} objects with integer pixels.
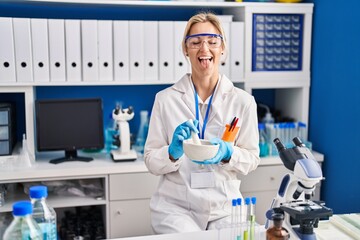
[
  {"x": 263, "y": 143},
  {"x": 23, "y": 225},
  {"x": 142, "y": 133},
  {"x": 43, "y": 214}
]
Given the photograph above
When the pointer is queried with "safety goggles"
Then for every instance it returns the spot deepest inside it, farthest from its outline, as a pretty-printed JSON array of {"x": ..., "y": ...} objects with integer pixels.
[{"x": 195, "y": 41}]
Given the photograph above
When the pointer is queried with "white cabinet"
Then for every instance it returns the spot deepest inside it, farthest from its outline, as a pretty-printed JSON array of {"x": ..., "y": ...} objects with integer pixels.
[{"x": 129, "y": 204}]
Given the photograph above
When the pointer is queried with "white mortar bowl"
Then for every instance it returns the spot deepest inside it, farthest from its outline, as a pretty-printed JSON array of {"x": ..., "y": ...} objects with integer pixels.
[{"x": 200, "y": 152}]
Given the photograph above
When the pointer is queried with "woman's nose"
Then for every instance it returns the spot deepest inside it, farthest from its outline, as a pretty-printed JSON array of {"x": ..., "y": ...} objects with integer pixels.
[{"x": 206, "y": 45}]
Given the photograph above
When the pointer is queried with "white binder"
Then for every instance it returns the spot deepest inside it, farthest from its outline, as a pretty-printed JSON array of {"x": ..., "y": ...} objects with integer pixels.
[
  {"x": 121, "y": 51},
  {"x": 136, "y": 34},
  {"x": 40, "y": 49},
  {"x": 57, "y": 50},
  {"x": 237, "y": 42},
  {"x": 151, "y": 55},
  {"x": 181, "y": 64},
  {"x": 166, "y": 51},
  {"x": 73, "y": 50},
  {"x": 105, "y": 48},
  {"x": 225, "y": 58},
  {"x": 7, "y": 51},
  {"x": 23, "y": 50},
  {"x": 89, "y": 40}
]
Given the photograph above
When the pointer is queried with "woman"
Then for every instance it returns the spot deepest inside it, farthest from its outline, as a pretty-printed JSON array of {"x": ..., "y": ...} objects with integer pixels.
[{"x": 193, "y": 197}]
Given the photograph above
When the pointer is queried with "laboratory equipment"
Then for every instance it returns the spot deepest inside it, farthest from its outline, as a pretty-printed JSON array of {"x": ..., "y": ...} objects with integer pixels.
[
  {"x": 7, "y": 128},
  {"x": 301, "y": 215},
  {"x": 23, "y": 225},
  {"x": 200, "y": 152},
  {"x": 277, "y": 232},
  {"x": 43, "y": 214},
  {"x": 122, "y": 116},
  {"x": 263, "y": 142},
  {"x": 142, "y": 133}
]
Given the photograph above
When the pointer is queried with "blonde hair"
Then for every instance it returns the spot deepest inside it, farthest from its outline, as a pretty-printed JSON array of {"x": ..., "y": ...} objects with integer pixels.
[{"x": 203, "y": 17}]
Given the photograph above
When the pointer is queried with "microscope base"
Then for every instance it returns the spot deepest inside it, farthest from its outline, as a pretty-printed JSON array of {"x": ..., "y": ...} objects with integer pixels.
[{"x": 118, "y": 156}]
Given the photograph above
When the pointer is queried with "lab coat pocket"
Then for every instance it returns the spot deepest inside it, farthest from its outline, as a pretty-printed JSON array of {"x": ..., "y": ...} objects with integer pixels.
[{"x": 174, "y": 194}]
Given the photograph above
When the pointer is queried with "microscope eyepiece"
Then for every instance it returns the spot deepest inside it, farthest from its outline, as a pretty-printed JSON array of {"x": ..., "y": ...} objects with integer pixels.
[
  {"x": 279, "y": 145},
  {"x": 297, "y": 141},
  {"x": 117, "y": 110}
]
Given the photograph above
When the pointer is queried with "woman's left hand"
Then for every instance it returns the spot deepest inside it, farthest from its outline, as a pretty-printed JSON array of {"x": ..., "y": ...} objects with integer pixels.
[{"x": 224, "y": 153}]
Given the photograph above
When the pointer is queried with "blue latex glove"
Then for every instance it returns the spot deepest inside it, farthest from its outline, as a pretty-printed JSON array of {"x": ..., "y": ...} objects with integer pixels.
[
  {"x": 224, "y": 153},
  {"x": 181, "y": 133}
]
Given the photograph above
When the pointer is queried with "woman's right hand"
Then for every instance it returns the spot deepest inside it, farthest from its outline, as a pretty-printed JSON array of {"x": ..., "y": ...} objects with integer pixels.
[{"x": 181, "y": 133}]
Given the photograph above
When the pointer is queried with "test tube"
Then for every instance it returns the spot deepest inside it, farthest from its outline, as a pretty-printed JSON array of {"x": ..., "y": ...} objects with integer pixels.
[
  {"x": 233, "y": 219},
  {"x": 248, "y": 213},
  {"x": 252, "y": 218},
  {"x": 248, "y": 208},
  {"x": 239, "y": 212}
]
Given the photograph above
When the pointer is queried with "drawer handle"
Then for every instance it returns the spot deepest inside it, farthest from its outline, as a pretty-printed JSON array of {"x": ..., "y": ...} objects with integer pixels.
[
  {"x": 272, "y": 178},
  {"x": 118, "y": 212}
]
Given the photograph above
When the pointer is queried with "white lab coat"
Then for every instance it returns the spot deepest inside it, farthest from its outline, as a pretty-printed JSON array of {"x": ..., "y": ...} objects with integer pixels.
[{"x": 175, "y": 206}]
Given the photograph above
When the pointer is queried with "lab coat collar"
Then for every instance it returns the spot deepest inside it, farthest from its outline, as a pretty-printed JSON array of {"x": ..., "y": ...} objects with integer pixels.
[{"x": 224, "y": 87}]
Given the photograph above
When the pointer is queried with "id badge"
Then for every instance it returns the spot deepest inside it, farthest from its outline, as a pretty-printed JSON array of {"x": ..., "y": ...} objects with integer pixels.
[{"x": 204, "y": 179}]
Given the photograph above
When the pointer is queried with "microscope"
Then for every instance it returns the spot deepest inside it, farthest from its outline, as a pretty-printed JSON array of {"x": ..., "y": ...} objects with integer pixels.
[
  {"x": 124, "y": 153},
  {"x": 301, "y": 215}
]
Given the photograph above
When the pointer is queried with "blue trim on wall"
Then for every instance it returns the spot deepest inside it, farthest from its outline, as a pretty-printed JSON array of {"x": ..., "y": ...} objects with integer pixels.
[
  {"x": 140, "y": 97},
  {"x": 98, "y": 11}
]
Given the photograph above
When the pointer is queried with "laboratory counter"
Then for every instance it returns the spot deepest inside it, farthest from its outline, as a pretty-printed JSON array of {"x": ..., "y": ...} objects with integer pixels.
[
  {"x": 126, "y": 189},
  {"x": 102, "y": 164}
]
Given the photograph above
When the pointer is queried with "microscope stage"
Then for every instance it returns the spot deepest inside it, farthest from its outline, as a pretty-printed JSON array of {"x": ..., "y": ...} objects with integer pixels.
[
  {"x": 300, "y": 210},
  {"x": 118, "y": 156}
]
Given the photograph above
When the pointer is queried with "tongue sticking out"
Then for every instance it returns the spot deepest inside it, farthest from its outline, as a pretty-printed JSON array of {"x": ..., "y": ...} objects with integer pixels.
[{"x": 205, "y": 62}]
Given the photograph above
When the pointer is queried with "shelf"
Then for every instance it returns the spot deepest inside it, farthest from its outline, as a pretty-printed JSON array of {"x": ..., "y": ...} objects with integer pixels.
[
  {"x": 175, "y": 3},
  {"x": 53, "y": 200}
]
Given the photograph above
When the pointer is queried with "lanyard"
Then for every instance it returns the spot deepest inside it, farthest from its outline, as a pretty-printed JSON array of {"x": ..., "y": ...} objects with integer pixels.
[{"x": 202, "y": 133}]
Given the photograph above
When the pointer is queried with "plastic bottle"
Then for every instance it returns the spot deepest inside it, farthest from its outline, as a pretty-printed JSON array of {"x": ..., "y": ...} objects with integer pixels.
[
  {"x": 43, "y": 214},
  {"x": 277, "y": 232},
  {"x": 110, "y": 131},
  {"x": 143, "y": 131},
  {"x": 263, "y": 143},
  {"x": 23, "y": 225}
]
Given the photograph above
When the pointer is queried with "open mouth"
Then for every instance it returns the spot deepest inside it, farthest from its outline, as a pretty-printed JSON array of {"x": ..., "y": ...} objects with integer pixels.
[{"x": 205, "y": 61}]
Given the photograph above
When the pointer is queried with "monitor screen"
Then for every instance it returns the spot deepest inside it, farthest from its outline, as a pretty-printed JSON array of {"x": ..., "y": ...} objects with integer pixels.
[{"x": 69, "y": 125}]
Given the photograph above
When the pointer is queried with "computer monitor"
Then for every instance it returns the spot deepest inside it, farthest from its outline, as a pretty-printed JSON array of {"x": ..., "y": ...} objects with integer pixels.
[{"x": 69, "y": 125}]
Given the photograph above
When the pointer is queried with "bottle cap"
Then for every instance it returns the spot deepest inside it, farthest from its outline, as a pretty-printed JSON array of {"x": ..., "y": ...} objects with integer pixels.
[
  {"x": 301, "y": 124},
  {"x": 234, "y": 202},
  {"x": 22, "y": 208},
  {"x": 247, "y": 201},
  {"x": 38, "y": 191},
  {"x": 261, "y": 126},
  {"x": 253, "y": 200},
  {"x": 239, "y": 201}
]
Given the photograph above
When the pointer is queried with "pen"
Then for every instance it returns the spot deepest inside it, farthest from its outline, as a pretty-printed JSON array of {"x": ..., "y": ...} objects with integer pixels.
[
  {"x": 231, "y": 124},
  {"x": 234, "y": 125}
]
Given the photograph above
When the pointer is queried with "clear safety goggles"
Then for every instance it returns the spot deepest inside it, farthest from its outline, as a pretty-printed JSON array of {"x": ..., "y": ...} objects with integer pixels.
[{"x": 195, "y": 41}]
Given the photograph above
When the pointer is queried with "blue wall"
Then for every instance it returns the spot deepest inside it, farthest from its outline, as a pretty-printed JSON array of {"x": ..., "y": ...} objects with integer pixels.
[
  {"x": 335, "y": 98},
  {"x": 334, "y": 111}
]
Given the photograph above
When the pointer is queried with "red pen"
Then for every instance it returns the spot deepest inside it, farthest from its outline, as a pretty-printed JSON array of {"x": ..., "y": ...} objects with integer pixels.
[
  {"x": 231, "y": 124},
  {"x": 234, "y": 125}
]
